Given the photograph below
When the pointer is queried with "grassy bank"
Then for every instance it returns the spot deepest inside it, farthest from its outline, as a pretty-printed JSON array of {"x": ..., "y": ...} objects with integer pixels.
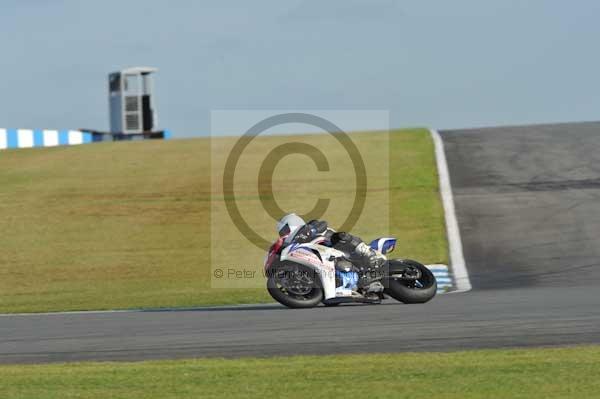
[
  {"x": 533, "y": 373},
  {"x": 127, "y": 225}
]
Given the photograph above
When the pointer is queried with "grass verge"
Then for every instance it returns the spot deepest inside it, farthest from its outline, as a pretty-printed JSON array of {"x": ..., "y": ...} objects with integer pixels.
[
  {"x": 532, "y": 373},
  {"x": 127, "y": 225}
]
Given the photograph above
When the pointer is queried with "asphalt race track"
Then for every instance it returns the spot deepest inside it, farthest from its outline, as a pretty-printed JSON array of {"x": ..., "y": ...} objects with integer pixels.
[{"x": 528, "y": 206}]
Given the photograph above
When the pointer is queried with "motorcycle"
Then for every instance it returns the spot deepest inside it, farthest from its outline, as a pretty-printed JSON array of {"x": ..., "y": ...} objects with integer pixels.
[{"x": 304, "y": 275}]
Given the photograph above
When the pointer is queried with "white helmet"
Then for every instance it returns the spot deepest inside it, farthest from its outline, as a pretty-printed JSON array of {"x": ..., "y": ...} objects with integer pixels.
[{"x": 289, "y": 224}]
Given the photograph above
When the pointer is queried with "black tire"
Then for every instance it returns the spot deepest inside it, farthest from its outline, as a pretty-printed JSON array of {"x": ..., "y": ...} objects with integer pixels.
[
  {"x": 276, "y": 290},
  {"x": 406, "y": 291}
]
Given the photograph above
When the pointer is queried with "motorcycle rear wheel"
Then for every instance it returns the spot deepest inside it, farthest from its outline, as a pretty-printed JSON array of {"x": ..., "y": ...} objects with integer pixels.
[
  {"x": 304, "y": 291},
  {"x": 410, "y": 291}
]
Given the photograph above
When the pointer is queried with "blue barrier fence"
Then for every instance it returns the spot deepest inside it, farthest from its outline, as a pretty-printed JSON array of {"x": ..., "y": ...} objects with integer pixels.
[{"x": 28, "y": 138}]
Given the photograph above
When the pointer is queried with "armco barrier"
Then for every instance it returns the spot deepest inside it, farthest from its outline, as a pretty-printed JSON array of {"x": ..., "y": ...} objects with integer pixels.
[{"x": 27, "y": 138}]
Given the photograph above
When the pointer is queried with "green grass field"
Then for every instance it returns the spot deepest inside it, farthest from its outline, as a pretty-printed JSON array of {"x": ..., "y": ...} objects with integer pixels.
[
  {"x": 533, "y": 373},
  {"x": 128, "y": 224}
]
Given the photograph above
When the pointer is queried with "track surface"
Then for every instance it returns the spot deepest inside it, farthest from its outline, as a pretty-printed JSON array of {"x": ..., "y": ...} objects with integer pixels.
[
  {"x": 455, "y": 321},
  {"x": 528, "y": 204},
  {"x": 528, "y": 207}
]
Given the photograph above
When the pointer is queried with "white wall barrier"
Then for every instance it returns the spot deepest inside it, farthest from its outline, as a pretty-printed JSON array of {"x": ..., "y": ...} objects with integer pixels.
[{"x": 27, "y": 138}]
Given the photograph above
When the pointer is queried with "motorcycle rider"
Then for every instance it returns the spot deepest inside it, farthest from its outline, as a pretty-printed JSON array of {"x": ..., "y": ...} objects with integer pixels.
[{"x": 369, "y": 262}]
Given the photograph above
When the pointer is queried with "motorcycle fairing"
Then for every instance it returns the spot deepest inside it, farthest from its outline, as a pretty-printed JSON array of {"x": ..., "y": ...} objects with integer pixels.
[{"x": 305, "y": 254}]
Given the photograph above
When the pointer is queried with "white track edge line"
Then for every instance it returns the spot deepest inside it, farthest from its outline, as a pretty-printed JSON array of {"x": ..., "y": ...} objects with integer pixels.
[
  {"x": 142, "y": 310},
  {"x": 457, "y": 260}
]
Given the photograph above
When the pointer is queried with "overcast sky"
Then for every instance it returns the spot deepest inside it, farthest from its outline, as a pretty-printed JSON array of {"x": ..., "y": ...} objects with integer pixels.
[{"x": 430, "y": 63}]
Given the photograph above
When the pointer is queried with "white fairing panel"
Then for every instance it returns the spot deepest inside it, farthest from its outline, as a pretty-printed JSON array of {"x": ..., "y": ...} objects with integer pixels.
[{"x": 302, "y": 254}]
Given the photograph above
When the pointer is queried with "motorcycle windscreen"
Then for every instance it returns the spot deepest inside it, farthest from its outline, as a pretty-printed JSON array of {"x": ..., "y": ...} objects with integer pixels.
[{"x": 383, "y": 245}]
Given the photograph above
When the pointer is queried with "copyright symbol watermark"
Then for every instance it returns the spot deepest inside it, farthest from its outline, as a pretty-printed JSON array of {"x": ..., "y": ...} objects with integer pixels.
[
  {"x": 271, "y": 160},
  {"x": 260, "y": 172}
]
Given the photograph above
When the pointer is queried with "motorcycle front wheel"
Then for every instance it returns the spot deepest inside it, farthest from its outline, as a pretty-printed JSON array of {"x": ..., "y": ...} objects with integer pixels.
[
  {"x": 294, "y": 285},
  {"x": 417, "y": 290}
]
